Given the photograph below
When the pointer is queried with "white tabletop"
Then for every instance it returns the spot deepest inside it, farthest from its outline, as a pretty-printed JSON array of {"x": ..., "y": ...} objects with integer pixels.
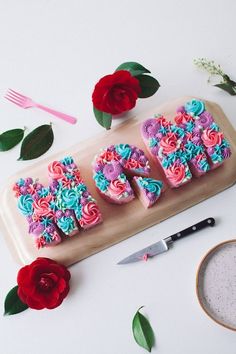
[{"x": 55, "y": 51}]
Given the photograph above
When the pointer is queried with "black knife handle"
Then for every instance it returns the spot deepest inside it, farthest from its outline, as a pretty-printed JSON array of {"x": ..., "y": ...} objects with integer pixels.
[{"x": 192, "y": 229}]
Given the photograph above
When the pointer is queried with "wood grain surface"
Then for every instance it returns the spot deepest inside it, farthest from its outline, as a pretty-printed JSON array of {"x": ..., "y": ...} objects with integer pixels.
[{"x": 120, "y": 222}]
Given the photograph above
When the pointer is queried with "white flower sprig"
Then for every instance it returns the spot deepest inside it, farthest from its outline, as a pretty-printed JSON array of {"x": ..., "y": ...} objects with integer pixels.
[
  {"x": 209, "y": 66},
  {"x": 212, "y": 68}
]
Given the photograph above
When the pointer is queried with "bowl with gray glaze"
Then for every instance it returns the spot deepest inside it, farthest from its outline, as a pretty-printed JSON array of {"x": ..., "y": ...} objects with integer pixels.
[{"x": 216, "y": 284}]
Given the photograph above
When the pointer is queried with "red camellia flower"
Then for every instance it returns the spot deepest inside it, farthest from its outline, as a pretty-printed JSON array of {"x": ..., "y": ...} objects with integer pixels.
[
  {"x": 116, "y": 93},
  {"x": 43, "y": 284}
]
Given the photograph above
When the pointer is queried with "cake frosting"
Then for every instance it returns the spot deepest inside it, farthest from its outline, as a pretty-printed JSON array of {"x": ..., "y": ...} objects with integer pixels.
[
  {"x": 59, "y": 210},
  {"x": 148, "y": 190},
  {"x": 191, "y": 146},
  {"x": 216, "y": 147},
  {"x": 111, "y": 168},
  {"x": 164, "y": 141}
]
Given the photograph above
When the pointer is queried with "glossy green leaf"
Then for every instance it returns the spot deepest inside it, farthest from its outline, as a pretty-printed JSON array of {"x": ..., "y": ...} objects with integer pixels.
[
  {"x": 104, "y": 119},
  {"x": 13, "y": 304},
  {"x": 228, "y": 87},
  {"x": 142, "y": 331},
  {"x": 37, "y": 142},
  {"x": 148, "y": 84},
  {"x": 10, "y": 138},
  {"x": 227, "y": 79},
  {"x": 134, "y": 68}
]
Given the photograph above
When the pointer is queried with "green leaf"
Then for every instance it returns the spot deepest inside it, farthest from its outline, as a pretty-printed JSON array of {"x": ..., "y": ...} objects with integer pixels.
[
  {"x": 10, "y": 138},
  {"x": 148, "y": 84},
  {"x": 228, "y": 87},
  {"x": 104, "y": 119},
  {"x": 142, "y": 331},
  {"x": 13, "y": 303},
  {"x": 37, "y": 142},
  {"x": 227, "y": 79},
  {"x": 133, "y": 67}
]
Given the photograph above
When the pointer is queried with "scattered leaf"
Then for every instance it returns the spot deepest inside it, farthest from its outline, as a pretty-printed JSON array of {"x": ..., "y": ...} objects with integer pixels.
[
  {"x": 228, "y": 88},
  {"x": 13, "y": 303},
  {"x": 148, "y": 84},
  {"x": 37, "y": 142},
  {"x": 104, "y": 119},
  {"x": 10, "y": 138},
  {"x": 142, "y": 331},
  {"x": 134, "y": 68}
]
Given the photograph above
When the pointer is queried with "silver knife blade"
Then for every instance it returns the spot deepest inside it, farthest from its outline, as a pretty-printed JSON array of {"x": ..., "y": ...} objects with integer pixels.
[
  {"x": 152, "y": 250},
  {"x": 163, "y": 245}
]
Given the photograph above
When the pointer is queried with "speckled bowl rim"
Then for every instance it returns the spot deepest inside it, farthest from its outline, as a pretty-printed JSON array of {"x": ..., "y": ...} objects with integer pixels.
[{"x": 212, "y": 250}]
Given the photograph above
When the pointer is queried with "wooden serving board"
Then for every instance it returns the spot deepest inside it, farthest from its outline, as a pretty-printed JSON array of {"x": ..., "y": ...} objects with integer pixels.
[{"x": 120, "y": 222}]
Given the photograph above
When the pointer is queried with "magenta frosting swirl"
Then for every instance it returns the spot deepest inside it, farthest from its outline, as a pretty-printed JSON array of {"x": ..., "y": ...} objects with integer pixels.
[
  {"x": 151, "y": 196},
  {"x": 205, "y": 119},
  {"x": 226, "y": 153},
  {"x": 196, "y": 139},
  {"x": 36, "y": 228},
  {"x": 180, "y": 109},
  {"x": 150, "y": 128},
  {"x": 155, "y": 150},
  {"x": 112, "y": 170}
]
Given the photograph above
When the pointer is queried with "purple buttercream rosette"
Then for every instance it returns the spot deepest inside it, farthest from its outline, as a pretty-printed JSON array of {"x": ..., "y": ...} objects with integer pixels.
[
  {"x": 205, "y": 119},
  {"x": 112, "y": 170}
]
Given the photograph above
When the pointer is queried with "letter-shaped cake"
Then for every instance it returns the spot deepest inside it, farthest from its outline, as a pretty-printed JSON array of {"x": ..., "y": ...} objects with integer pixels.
[
  {"x": 111, "y": 168},
  {"x": 61, "y": 208},
  {"x": 192, "y": 146}
]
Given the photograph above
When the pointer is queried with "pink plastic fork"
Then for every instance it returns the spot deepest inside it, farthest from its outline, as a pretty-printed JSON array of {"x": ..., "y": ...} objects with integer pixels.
[{"x": 26, "y": 102}]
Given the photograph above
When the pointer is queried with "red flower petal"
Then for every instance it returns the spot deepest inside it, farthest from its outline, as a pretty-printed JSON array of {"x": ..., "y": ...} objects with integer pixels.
[
  {"x": 116, "y": 93},
  {"x": 43, "y": 284}
]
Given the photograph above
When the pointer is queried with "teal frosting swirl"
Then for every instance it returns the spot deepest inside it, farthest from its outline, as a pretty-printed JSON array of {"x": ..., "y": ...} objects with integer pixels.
[
  {"x": 68, "y": 198},
  {"x": 163, "y": 130},
  {"x": 43, "y": 192},
  {"x": 189, "y": 127},
  {"x": 68, "y": 160},
  {"x": 122, "y": 178},
  {"x": 199, "y": 149},
  {"x": 216, "y": 158},
  {"x": 224, "y": 144},
  {"x": 47, "y": 237},
  {"x": 204, "y": 165},
  {"x": 217, "y": 149},
  {"x": 195, "y": 107},
  {"x": 152, "y": 142},
  {"x": 101, "y": 182},
  {"x": 25, "y": 204},
  {"x": 46, "y": 222},
  {"x": 215, "y": 127},
  {"x": 20, "y": 182},
  {"x": 81, "y": 188},
  {"x": 53, "y": 206},
  {"x": 166, "y": 163},
  {"x": 190, "y": 150},
  {"x": 175, "y": 156},
  {"x": 152, "y": 185},
  {"x": 123, "y": 150},
  {"x": 66, "y": 224},
  {"x": 178, "y": 130},
  {"x": 69, "y": 175},
  {"x": 188, "y": 174},
  {"x": 78, "y": 212}
]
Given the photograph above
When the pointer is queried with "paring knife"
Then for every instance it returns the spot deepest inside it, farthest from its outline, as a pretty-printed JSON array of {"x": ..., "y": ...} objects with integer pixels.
[{"x": 163, "y": 245}]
